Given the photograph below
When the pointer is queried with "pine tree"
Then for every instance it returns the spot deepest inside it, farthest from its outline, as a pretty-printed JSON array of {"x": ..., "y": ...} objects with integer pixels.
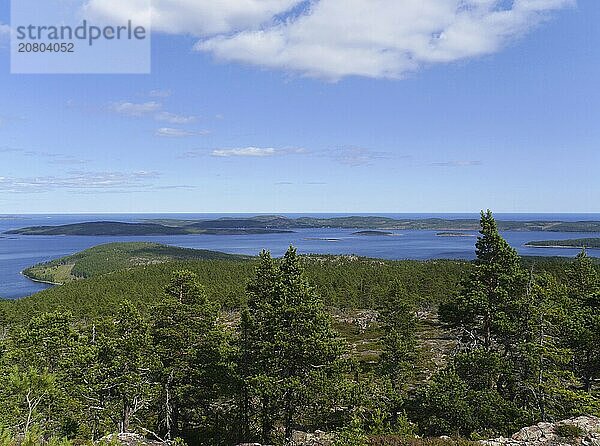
[
  {"x": 489, "y": 308},
  {"x": 122, "y": 373},
  {"x": 545, "y": 383},
  {"x": 49, "y": 346},
  {"x": 289, "y": 343},
  {"x": 190, "y": 346},
  {"x": 583, "y": 283},
  {"x": 399, "y": 324},
  {"x": 490, "y": 313}
]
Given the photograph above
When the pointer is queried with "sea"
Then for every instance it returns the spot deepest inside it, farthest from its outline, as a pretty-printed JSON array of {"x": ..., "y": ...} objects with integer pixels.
[{"x": 18, "y": 252}]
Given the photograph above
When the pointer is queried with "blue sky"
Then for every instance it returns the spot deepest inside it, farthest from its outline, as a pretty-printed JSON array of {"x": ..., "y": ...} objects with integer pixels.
[{"x": 222, "y": 125}]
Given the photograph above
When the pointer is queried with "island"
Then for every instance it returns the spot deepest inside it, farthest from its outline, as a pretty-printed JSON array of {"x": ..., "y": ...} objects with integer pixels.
[
  {"x": 372, "y": 233},
  {"x": 265, "y": 224},
  {"x": 591, "y": 243},
  {"x": 112, "y": 228},
  {"x": 454, "y": 234}
]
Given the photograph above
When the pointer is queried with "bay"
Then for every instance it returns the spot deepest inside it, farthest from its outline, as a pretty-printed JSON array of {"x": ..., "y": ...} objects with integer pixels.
[{"x": 18, "y": 252}]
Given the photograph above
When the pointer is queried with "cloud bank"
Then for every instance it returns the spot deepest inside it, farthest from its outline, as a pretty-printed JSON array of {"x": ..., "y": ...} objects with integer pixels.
[{"x": 333, "y": 39}]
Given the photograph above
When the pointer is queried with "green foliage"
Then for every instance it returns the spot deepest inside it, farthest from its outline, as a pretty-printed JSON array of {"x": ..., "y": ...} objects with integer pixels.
[
  {"x": 571, "y": 243},
  {"x": 569, "y": 431},
  {"x": 193, "y": 369},
  {"x": 122, "y": 372},
  {"x": 490, "y": 304},
  {"x": 399, "y": 324},
  {"x": 584, "y": 326},
  {"x": 163, "y": 350},
  {"x": 112, "y": 257},
  {"x": 344, "y": 282},
  {"x": 289, "y": 350},
  {"x": 511, "y": 365}
]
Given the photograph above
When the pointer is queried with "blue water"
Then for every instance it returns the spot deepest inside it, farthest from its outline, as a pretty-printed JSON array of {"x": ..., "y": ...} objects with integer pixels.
[{"x": 19, "y": 252}]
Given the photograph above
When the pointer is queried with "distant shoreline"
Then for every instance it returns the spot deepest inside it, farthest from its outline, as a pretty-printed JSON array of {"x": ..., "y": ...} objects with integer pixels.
[
  {"x": 259, "y": 225},
  {"x": 560, "y": 246}
]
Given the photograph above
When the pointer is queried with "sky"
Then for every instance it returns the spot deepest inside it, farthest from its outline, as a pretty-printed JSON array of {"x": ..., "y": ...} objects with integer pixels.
[{"x": 280, "y": 106}]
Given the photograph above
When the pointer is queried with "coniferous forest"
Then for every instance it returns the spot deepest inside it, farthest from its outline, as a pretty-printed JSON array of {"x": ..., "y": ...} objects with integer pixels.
[{"x": 254, "y": 350}]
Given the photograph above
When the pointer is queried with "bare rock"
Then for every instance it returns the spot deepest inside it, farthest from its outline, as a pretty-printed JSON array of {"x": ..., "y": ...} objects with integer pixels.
[
  {"x": 318, "y": 438},
  {"x": 131, "y": 439},
  {"x": 579, "y": 431}
]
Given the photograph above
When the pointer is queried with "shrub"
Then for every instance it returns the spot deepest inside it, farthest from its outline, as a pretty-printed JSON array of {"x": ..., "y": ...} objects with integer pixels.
[{"x": 569, "y": 431}]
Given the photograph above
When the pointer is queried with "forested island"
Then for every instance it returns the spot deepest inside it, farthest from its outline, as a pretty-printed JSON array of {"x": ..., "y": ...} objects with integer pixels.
[
  {"x": 372, "y": 233},
  {"x": 454, "y": 234},
  {"x": 278, "y": 224},
  {"x": 593, "y": 243},
  {"x": 203, "y": 348},
  {"x": 98, "y": 228}
]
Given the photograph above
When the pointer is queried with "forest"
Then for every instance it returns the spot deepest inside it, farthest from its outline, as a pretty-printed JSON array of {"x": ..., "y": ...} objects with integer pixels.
[{"x": 228, "y": 351}]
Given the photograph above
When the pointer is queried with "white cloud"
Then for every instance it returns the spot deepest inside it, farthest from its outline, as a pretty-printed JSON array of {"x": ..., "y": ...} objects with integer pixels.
[
  {"x": 382, "y": 38},
  {"x": 246, "y": 151},
  {"x": 174, "y": 118},
  {"x": 196, "y": 17},
  {"x": 255, "y": 152},
  {"x": 135, "y": 109},
  {"x": 169, "y": 132},
  {"x": 337, "y": 38}
]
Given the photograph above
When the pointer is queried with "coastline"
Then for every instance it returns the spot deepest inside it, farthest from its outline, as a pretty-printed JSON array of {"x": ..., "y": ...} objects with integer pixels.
[
  {"x": 559, "y": 246},
  {"x": 47, "y": 282}
]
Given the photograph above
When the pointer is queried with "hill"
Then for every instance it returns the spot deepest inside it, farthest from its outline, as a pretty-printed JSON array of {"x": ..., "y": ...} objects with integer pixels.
[
  {"x": 139, "y": 271},
  {"x": 111, "y": 257},
  {"x": 376, "y": 222},
  {"x": 278, "y": 224},
  {"x": 343, "y": 281},
  {"x": 114, "y": 228}
]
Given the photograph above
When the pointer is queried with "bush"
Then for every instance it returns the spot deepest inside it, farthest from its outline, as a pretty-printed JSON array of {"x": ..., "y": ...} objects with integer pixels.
[
  {"x": 569, "y": 431},
  {"x": 396, "y": 440}
]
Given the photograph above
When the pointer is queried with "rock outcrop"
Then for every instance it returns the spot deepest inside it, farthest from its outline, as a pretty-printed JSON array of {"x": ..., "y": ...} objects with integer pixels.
[
  {"x": 580, "y": 431},
  {"x": 319, "y": 438},
  {"x": 131, "y": 439},
  {"x": 299, "y": 438}
]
